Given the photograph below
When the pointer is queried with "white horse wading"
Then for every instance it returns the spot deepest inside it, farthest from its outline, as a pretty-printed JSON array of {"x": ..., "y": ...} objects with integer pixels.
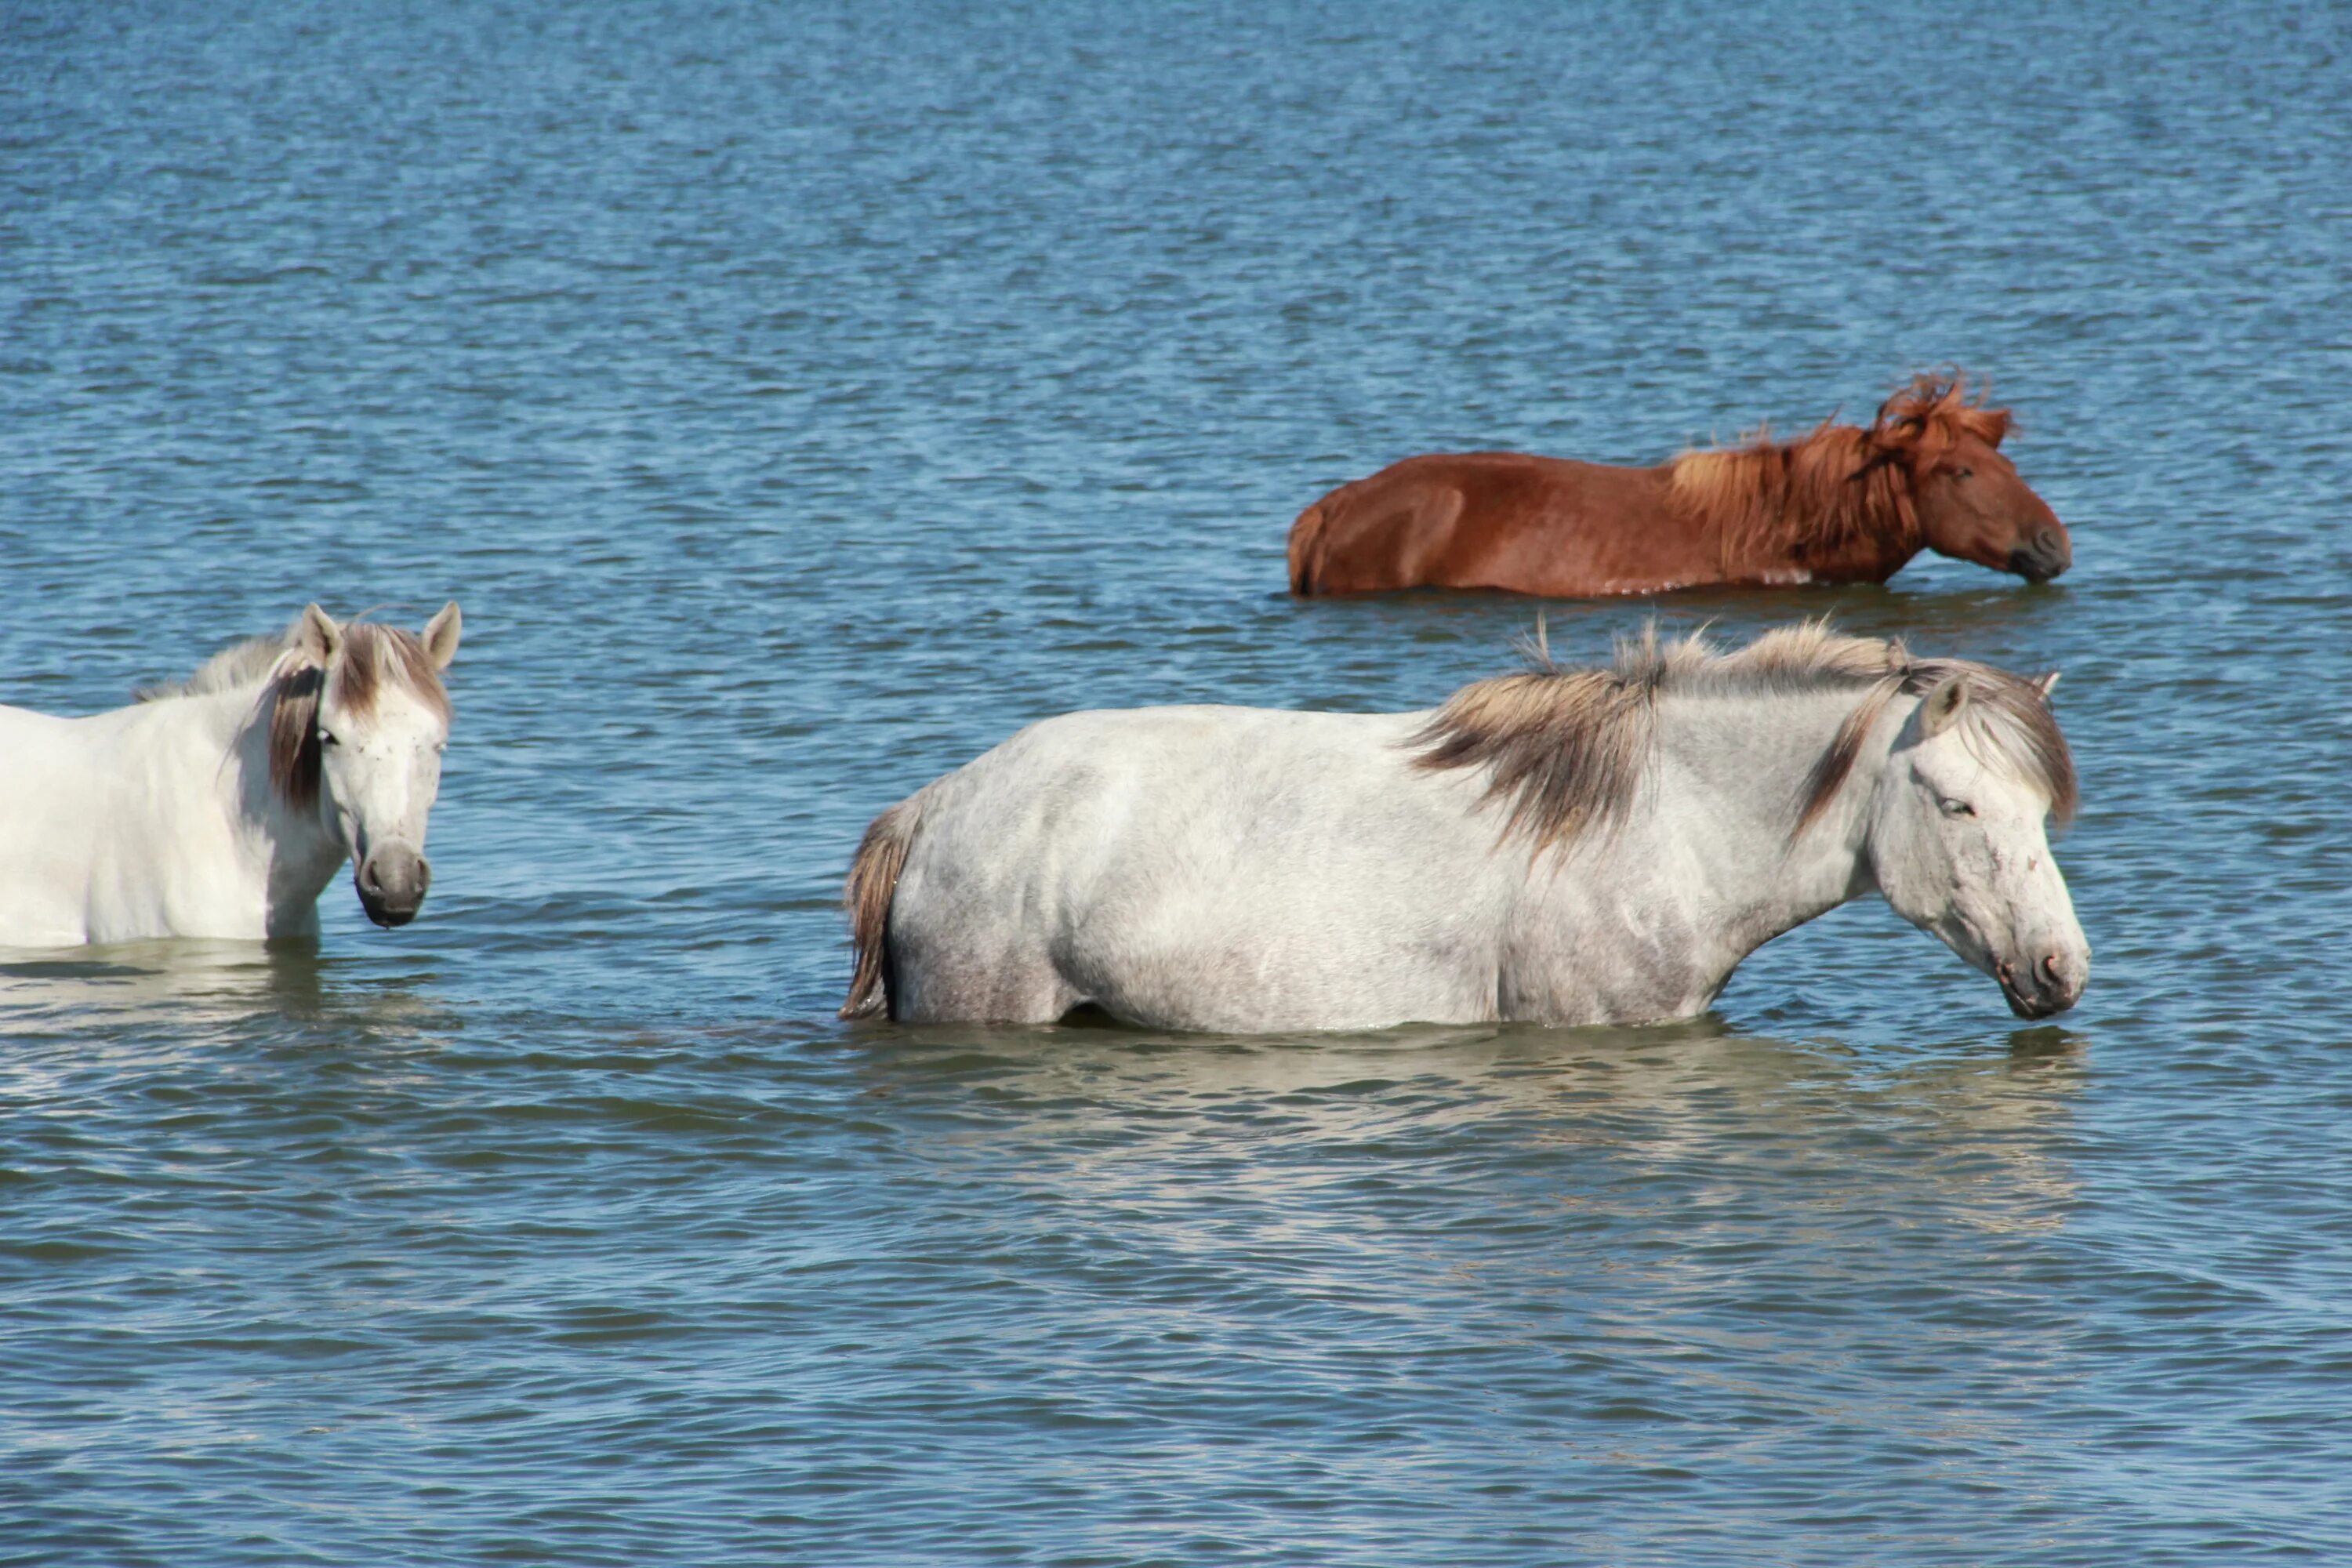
[
  {"x": 222, "y": 805},
  {"x": 1566, "y": 846}
]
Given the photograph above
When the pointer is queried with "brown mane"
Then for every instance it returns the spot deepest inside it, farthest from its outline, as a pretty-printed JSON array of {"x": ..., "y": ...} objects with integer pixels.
[
  {"x": 1838, "y": 484},
  {"x": 369, "y": 656},
  {"x": 1567, "y": 748}
]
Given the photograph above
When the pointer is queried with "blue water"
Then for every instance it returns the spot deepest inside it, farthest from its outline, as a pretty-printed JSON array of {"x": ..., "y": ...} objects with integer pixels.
[{"x": 800, "y": 397}]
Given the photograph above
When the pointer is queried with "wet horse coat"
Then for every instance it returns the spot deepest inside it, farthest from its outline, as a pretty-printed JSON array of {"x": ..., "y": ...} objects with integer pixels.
[
  {"x": 1839, "y": 505},
  {"x": 1569, "y": 845}
]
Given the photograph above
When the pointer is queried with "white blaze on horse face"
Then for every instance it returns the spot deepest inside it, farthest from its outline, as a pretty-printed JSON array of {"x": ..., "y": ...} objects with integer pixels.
[{"x": 1961, "y": 849}]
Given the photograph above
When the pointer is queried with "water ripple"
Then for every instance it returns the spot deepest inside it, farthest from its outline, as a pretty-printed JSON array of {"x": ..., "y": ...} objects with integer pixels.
[{"x": 799, "y": 399}]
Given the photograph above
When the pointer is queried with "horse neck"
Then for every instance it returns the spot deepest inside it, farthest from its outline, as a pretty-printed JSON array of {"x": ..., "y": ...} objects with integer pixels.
[
  {"x": 297, "y": 847},
  {"x": 1862, "y": 529},
  {"x": 1729, "y": 773}
]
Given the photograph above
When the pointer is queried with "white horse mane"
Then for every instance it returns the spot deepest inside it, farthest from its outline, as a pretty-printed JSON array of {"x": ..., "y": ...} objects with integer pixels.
[
  {"x": 1566, "y": 748},
  {"x": 247, "y": 663}
]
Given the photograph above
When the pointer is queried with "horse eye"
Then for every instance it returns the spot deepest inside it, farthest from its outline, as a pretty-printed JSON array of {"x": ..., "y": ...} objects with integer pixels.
[
  {"x": 1956, "y": 808},
  {"x": 328, "y": 737},
  {"x": 1964, "y": 473}
]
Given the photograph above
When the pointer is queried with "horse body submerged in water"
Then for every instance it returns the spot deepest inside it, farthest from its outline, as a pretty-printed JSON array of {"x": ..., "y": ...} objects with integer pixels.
[
  {"x": 1839, "y": 505},
  {"x": 222, "y": 805},
  {"x": 1567, "y": 846}
]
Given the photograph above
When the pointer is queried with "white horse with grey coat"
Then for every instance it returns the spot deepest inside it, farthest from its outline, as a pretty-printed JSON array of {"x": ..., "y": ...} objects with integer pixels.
[
  {"x": 1561, "y": 845},
  {"x": 223, "y": 805}
]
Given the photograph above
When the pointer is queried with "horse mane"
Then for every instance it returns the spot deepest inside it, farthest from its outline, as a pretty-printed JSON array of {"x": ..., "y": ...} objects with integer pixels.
[
  {"x": 240, "y": 664},
  {"x": 1567, "y": 748},
  {"x": 293, "y": 684},
  {"x": 1838, "y": 484}
]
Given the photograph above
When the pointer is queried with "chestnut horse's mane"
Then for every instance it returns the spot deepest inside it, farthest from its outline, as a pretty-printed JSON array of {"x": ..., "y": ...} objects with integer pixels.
[
  {"x": 1838, "y": 484},
  {"x": 1565, "y": 749}
]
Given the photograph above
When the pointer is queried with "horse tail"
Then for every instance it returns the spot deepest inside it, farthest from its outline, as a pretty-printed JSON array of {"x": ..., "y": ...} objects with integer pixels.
[
  {"x": 1306, "y": 547},
  {"x": 872, "y": 882}
]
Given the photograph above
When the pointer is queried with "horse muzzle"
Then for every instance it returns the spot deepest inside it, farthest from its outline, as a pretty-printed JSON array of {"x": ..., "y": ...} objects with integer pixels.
[
  {"x": 2052, "y": 984},
  {"x": 392, "y": 883},
  {"x": 2043, "y": 556}
]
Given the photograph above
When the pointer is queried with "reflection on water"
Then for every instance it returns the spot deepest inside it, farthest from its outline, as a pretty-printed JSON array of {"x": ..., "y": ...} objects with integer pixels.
[
  {"x": 186, "y": 982},
  {"x": 143, "y": 994},
  {"x": 1687, "y": 1244},
  {"x": 1985, "y": 1139}
]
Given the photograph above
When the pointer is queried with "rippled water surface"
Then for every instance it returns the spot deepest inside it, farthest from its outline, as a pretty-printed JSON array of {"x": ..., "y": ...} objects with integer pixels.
[{"x": 800, "y": 398}]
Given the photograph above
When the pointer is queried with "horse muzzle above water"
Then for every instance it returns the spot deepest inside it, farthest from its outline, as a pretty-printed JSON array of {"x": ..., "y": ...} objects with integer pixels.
[
  {"x": 391, "y": 882},
  {"x": 2043, "y": 557},
  {"x": 2053, "y": 984}
]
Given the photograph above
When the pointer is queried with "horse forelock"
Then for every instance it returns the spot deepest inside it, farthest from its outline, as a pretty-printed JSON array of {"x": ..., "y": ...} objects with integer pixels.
[
  {"x": 371, "y": 656},
  {"x": 1566, "y": 750},
  {"x": 1927, "y": 418},
  {"x": 2010, "y": 725}
]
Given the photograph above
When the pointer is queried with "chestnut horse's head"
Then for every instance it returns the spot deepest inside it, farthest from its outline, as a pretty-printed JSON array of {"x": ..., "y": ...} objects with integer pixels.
[{"x": 1967, "y": 499}]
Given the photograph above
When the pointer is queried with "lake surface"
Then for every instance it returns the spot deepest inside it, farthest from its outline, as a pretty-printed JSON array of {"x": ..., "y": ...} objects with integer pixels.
[{"x": 801, "y": 397}]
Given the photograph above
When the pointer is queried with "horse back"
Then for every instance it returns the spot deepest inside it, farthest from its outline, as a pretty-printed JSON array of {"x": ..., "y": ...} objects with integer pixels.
[
  {"x": 113, "y": 825},
  {"x": 53, "y": 794},
  {"x": 1495, "y": 520},
  {"x": 1192, "y": 867}
]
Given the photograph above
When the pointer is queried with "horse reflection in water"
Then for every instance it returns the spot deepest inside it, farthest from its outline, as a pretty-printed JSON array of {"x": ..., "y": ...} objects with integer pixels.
[
  {"x": 1562, "y": 846},
  {"x": 222, "y": 805},
  {"x": 1839, "y": 505},
  {"x": 1608, "y": 1116}
]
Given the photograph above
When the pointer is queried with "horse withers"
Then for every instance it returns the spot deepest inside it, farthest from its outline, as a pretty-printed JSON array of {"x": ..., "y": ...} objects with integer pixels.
[
  {"x": 1839, "y": 505},
  {"x": 1562, "y": 844},
  {"x": 222, "y": 805}
]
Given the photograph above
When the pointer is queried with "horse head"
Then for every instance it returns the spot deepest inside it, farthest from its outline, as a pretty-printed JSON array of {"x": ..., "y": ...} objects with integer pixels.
[
  {"x": 1968, "y": 500},
  {"x": 1958, "y": 842},
  {"x": 357, "y": 731}
]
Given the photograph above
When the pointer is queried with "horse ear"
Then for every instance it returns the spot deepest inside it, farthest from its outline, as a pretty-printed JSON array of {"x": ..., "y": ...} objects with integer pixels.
[
  {"x": 441, "y": 634},
  {"x": 1945, "y": 701},
  {"x": 2049, "y": 683},
  {"x": 318, "y": 637}
]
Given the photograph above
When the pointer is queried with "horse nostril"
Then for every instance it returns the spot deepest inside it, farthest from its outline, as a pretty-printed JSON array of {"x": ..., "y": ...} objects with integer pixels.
[{"x": 2056, "y": 975}]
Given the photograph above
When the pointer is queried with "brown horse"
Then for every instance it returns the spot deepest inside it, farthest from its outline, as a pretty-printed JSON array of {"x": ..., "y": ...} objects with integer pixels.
[{"x": 1841, "y": 505}]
